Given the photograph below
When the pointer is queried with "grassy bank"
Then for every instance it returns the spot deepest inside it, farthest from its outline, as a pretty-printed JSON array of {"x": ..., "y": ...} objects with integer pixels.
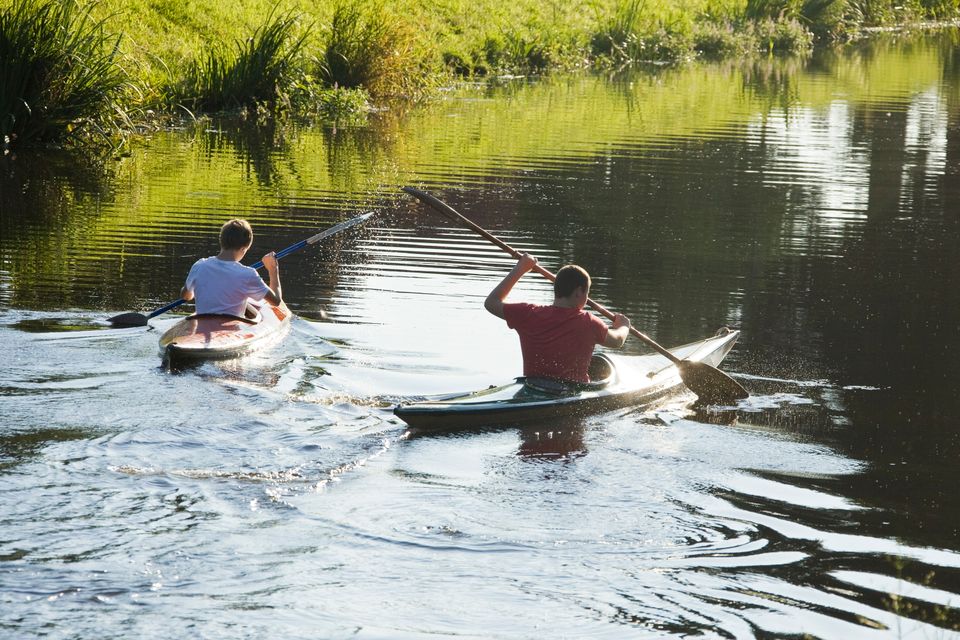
[{"x": 333, "y": 58}]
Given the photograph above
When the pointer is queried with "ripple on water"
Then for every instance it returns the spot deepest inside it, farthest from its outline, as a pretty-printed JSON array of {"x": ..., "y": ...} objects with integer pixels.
[{"x": 676, "y": 522}]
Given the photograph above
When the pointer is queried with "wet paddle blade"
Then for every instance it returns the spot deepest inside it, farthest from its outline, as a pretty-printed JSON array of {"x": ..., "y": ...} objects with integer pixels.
[
  {"x": 130, "y": 319},
  {"x": 711, "y": 385}
]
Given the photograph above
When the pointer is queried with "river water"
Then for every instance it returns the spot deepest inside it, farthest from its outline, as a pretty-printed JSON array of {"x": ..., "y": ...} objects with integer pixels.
[{"x": 812, "y": 203}]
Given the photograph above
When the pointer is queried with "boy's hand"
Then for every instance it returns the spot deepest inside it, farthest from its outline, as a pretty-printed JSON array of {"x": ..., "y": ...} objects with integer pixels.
[
  {"x": 620, "y": 320},
  {"x": 270, "y": 261},
  {"x": 526, "y": 262},
  {"x": 494, "y": 301}
]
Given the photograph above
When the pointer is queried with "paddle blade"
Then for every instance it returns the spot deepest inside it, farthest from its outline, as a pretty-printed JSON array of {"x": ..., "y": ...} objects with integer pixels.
[
  {"x": 131, "y": 319},
  {"x": 711, "y": 385}
]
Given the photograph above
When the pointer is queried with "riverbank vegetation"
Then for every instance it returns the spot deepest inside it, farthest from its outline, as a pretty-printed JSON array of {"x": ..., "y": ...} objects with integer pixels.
[
  {"x": 77, "y": 66},
  {"x": 58, "y": 67}
]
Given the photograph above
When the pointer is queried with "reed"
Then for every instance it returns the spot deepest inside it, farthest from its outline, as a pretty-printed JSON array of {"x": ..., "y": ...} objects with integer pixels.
[
  {"x": 58, "y": 71},
  {"x": 257, "y": 73},
  {"x": 309, "y": 98},
  {"x": 368, "y": 47},
  {"x": 721, "y": 40},
  {"x": 634, "y": 32},
  {"x": 526, "y": 48},
  {"x": 825, "y": 19},
  {"x": 618, "y": 36}
]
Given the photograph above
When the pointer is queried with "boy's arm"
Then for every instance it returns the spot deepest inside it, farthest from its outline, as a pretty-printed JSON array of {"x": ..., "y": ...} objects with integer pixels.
[
  {"x": 186, "y": 292},
  {"x": 617, "y": 334},
  {"x": 274, "y": 296},
  {"x": 494, "y": 301}
]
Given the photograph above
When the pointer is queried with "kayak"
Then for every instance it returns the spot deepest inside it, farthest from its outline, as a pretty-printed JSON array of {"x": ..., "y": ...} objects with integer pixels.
[
  {"x": 617, "y": 381},
  {"x": 214, "y": 336}
]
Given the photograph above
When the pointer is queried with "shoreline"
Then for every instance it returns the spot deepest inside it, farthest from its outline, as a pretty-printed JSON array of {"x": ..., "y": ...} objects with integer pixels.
[{"x": 342, "y": 62}]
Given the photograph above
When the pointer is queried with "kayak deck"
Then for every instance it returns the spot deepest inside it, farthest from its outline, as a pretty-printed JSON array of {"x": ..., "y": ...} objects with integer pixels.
[
  {"x": 220, "y": 336},
  {"x": 622, "y": 381}
]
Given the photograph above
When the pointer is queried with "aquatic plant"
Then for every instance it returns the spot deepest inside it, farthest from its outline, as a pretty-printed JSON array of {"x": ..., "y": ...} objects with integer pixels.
[
  {"x": 58, "y": 71},
  {"x": 618, "y": 35},
  {"x": 367, "y": 47},
  {"x": 940, "y": 9},
  {"x": 535, "y": 46},
  {"x": 770, "y": 9},
  {"x": 517, "y": 51},
  {"x": 720, "y": 40},
  {"x": 782, "y": 36},
  {"x": 825, "y": 19},
  {"x": 255, "y": 74},
  {"x": 634, "y": 33},
  {"x": 307, "y": 97}
]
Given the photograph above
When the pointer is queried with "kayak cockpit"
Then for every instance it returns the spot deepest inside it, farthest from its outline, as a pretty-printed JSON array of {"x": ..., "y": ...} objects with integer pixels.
[
  {"x": 251, "y": 315},
  {"x": 601, "y": 372}
]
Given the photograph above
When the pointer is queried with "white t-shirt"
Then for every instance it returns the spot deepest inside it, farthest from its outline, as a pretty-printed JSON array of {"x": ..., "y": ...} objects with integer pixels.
[{"x": 223, "y": 286}]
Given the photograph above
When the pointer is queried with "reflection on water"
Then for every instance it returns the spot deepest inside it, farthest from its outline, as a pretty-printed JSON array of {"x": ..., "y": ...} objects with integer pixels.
[{"x": 809, "y": 202}]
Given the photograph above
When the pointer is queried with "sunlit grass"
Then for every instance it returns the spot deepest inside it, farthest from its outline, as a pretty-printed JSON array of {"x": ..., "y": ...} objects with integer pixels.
[
  {"x": 58, "y": 71},
  {"x": 365, "y": 46},
  {"x": 391, "y": 47},
  {"x": 258, "y": 71}
]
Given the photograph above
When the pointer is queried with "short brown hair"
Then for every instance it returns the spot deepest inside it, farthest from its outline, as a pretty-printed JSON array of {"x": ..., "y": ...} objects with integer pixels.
[
  {"x": 569, "y": 278},
  {"x": 236, "y": 234}
]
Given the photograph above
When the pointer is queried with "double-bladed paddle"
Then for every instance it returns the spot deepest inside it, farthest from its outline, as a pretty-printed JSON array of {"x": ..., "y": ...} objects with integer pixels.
[
  {"x": 709, "y": 383},
  {"x": 134, "y": 319}
]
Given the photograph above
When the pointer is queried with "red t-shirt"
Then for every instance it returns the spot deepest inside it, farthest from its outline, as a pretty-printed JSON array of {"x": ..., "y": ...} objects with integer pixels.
[{"x": 556, "y": 342}]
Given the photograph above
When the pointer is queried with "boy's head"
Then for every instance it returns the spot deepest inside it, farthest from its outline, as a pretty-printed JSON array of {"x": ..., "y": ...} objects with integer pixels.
[
  {"x": 568, "y": 279},
  {"x": 236, "y": 234}
]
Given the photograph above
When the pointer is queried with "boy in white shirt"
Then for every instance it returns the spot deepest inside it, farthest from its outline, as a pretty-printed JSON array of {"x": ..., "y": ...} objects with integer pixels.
[{"x": 221, "y": 285}]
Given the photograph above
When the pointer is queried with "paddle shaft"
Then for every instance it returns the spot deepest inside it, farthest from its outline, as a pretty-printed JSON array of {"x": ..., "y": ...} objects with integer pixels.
[
  {"x": 326, "y": 233},
  {"x": 453, "y": 215}
]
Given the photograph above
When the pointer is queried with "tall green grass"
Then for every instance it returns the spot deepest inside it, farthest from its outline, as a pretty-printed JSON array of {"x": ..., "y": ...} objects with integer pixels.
[
  {"x": 825, "y": 19},
  {"x": 636, "y": 31},
  {"x": 535, "y": 47},
  {"x": 58, "y": 71},
  {"x": 618, "y": 34},
  {"x": 259, "y": 71},
  {"x": 366, "y": 46}
]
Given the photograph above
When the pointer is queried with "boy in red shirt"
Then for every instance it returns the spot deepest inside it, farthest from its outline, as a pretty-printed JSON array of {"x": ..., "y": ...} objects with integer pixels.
[{"x": 556, "y": 340}]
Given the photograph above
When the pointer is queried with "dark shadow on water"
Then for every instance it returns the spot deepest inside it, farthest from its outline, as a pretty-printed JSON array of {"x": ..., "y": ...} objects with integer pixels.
[
  {"x": 44, "y": 195},
  {"x": 559, "y": 439},
  {"x": 58, "y": 325},
  {"x": 18, "y": 448},
  {"x": 258, "y": 145},
  {"x": 554, "y": 440}
]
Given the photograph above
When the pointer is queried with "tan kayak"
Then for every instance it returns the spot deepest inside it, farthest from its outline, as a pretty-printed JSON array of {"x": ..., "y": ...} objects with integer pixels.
[{"x": 220, "y": 336}]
